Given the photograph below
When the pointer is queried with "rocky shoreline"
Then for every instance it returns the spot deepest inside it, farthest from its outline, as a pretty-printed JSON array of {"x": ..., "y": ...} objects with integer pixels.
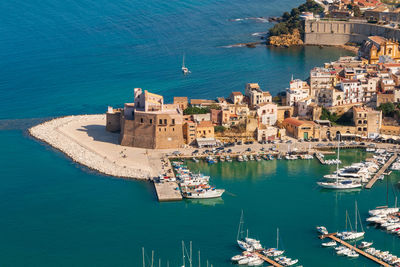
[{"x": 49, "y": 132}]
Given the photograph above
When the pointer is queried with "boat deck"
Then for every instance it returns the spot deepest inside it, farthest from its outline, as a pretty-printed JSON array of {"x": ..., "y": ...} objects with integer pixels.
[
  {"x": 359, "y": 251},
  {"x": 371, "y": 183}
]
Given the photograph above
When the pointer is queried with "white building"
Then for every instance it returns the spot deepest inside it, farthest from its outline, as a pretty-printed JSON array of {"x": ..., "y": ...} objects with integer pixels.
[
  {"x": 352, "y": 91},
  {"x": 297, "y": 90},
  {"x": 256, "y": 95},
  {"x": 267, "y": 113}
]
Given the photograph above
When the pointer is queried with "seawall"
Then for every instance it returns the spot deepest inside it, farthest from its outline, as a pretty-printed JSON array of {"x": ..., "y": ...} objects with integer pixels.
[{"x": 341, "y": 32}]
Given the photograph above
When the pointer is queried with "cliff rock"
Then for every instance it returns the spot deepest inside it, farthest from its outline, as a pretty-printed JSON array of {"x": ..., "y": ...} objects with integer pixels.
[{"x": 286, "y": 40}]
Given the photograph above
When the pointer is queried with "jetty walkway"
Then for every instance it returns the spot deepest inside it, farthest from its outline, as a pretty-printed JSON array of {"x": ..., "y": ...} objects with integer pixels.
[
  {"x": 371, "y": 183},
  {"x": 265, "y": 258},
  {"x": 359, "y": 251},
  {"x": 167, "y": 191}
]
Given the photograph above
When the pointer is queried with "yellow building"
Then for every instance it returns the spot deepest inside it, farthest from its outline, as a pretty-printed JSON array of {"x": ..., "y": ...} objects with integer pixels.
[
  {"x": 189, "y": 132},
  {"x": 205, "y": 129},
  {"x": 300, "y": 129},
  {"x": 377, "y": 46}
]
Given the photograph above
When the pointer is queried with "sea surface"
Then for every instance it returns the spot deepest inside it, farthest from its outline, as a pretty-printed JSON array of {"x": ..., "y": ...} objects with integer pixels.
[{"x": 77, "y": 57}]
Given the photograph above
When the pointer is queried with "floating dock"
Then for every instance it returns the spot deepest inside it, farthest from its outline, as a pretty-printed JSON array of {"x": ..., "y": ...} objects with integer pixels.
[
  {"x": 265, "y": 258},
  {"x": 371, "y": 182},
  {"x": 168, "y": 191},
  {"x": 359, "y": 251}
]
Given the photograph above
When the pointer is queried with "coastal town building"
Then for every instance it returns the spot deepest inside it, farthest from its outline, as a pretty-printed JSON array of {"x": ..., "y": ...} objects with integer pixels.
[
  {"x": 321, "y": 78},
  {"x": 148, "y": 122},
  {"x": 376, "y": 46},
  {"x": 297, "y": 91},
  {"x": 301, "y": 129},
  {"x": 256, "y": 95},
  {"x": 367, "y": 121},
  {"x": 181, "y": 101},
  {"x": 267, "y": 113}
]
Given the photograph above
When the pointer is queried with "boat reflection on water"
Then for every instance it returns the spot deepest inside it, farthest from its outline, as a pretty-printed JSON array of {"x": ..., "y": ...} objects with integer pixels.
[
  {"x": 205, "y": 202},
  {"x": 354, "y": 191}
]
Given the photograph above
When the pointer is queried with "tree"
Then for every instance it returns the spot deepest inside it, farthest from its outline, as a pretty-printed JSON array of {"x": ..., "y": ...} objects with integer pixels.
[
  {"x": 387, "y": 109},
  {"x": 195, "y": 110},
  {"x": 357, "y": 11},
  {"x": 219, "y": 129}
]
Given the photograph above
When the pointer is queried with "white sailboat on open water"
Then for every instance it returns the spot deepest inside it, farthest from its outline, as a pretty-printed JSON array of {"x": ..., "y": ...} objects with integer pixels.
[{"x": 185, "y": 70}]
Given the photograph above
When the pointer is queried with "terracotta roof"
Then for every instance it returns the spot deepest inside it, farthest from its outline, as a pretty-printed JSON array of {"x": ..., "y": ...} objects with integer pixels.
[
  {"x": 180, "y": 99},
  {"x": 296, "y": 122},
  {"x": 205, "y": 124},
  {"x": 349, "y": 81},
  {"x": 237, "y": 93},
  {"x": 200, "y": 101},
  {"x": 377, "y": 39}
]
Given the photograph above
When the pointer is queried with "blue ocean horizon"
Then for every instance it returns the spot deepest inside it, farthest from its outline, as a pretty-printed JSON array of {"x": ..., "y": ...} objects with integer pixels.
[{"x": 62, "y": 58}]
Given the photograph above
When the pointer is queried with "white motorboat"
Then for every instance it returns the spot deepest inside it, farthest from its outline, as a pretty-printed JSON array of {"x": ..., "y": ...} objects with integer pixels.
[
  {"x": 339, "y": 183},
  {"x": 352, "y": 254},
  {"x": 383, "y": 211},
  {"x": 365, "y": 244},
  {"x": 238, "y": 258},
  {"x": 322, "y": 230},
  {"x": 329, "y": 244},
  {"x": 240, "y": 158},
  {"x": 244, "y": 246},
  {"x": 255, "y": 261},
  {"x": 203, "y": 193}
]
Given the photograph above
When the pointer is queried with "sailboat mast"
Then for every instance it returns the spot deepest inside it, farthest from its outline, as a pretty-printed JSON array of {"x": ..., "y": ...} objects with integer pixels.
[
  {"x": 144, "y": 264},
  {"x": 277, "y": 238},
  {"x": 240, "y": 226},
  {"x": 337, "y": 162},
  {"x": 190, "y": 261},
  {"x": 387, "y": 193},
  {"x": 183, "y": 253},
  {"x": 183, "y": 61},
  {"x": 355, "y": 214},
  {"x": 199, "y": 259},
  {"x": 346, "y": 220}
]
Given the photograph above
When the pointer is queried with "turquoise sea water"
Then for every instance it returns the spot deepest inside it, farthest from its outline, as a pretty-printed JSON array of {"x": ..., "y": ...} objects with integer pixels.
[{"x": 73, "y": 57}]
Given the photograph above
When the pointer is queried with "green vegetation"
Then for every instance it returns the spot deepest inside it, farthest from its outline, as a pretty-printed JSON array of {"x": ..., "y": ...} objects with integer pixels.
[
  {"x": 345, "y": 119},
  {"x": 389, "y": 109},
  {"x": 219, "y": 129},
  {"x": 215, "y": 106},
  {"x": 356, "y": 10},
  {"x": 195, "y": 110},
  {"x": 291, "y": 21}
]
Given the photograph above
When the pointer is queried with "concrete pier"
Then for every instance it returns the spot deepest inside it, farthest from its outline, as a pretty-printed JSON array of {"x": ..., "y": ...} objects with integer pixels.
[
  {"x": 168, "y": 191},
  {"x": 381, "y": 171}
]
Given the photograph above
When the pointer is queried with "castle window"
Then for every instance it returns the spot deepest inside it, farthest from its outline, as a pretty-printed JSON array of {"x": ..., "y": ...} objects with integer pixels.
[
  {"x": 165, "y": 129},
  {"x": 151, "y": 121},
  {"x": 173, "y": 129},
  {"x": 141, "y": 120},
  {"x": 165, "y": 121},
  {"x": 365, "y": 129},
  {"x": 173, "y": 121},
  {"x": 359, "y": 128},
  {"x": 160, "y": 122}
]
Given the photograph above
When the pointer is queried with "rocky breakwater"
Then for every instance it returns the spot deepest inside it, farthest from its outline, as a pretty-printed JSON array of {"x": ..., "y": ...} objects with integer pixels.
[
  {"x": 286, "y": 40},
  {"x": 84, "y": 153}
]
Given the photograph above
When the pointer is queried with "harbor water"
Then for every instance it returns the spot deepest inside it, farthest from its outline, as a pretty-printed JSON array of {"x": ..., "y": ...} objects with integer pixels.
[{"x": 73, "y": 57}]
